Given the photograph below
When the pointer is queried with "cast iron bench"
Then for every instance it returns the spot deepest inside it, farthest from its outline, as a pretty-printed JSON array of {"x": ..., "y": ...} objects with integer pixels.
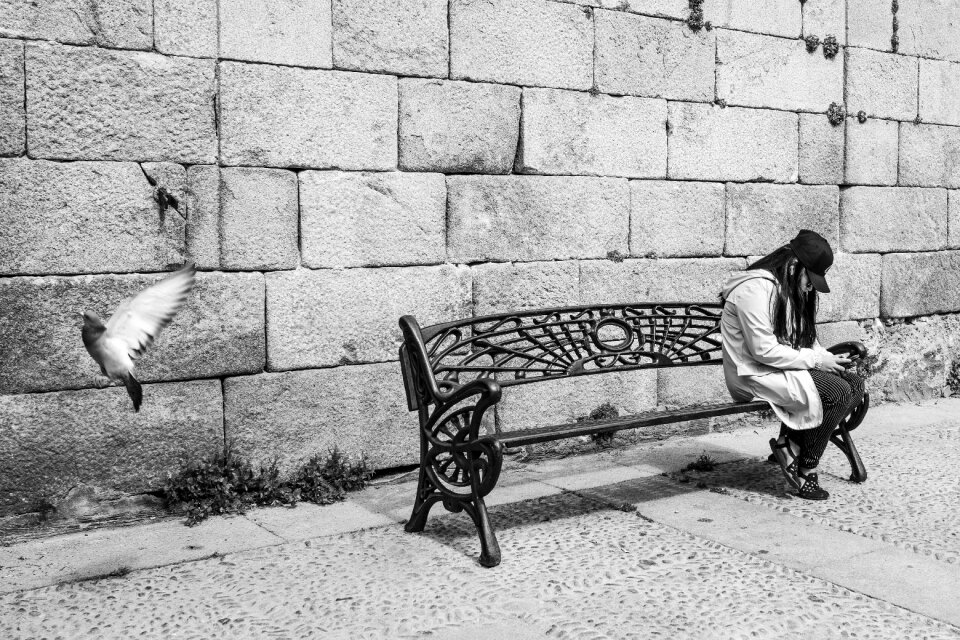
[{"x": 454, "y": 372}]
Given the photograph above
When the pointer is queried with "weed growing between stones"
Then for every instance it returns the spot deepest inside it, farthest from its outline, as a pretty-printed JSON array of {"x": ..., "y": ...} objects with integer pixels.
[
  {"x": 703, "y": 463},
  {"x": 225, "y": 482},
  {"x": 953, "y": 378},
  {"x": 812, "y": 43},
  {"x": 603, "y": 412},
  {"x": 615, "y": 256},
  {"x": 830, "y": 47},
  {"x": 861, "y": 116},
  {"x": 895, "y": 38},
  {"x": 836, "y": 113},
  {"x": 695, "y": 19}
]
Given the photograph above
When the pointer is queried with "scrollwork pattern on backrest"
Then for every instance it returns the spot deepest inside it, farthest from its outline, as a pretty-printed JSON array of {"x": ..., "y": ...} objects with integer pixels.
[{"x": 564, "y": 342}]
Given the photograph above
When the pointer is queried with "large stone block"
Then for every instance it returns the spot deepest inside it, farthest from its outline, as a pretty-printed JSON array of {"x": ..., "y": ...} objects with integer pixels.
[
  {"x": 295, "y": 415},
  {"x": 372, "y": 219},
  {"x": 831, "y": 333},
  {"x": 529, "y": 218},
  {"x": 916, "y": 284},
  {"x": 826, "y": 18},
  {"x": 882, "y": 219},
  {"x": 575, "y": 133},
  {"x": 278, "y": 31},
  {"x": 83, "y": 217},
  {"x": 125, "y": 24},
  {"x": 258, "y": 219},
  {"x": 458, "y": 127},
  {"x": 12, "y": 111},
  {"x": 929, "y": 155},
  {"x": 854, "y": 282},
  {"x": 280, "y": 116},
  {"x": 659, "y": 280},
  {"x": 762, "y": 217},
  {"x": 563, "y": 401},
  {"x": 637, "y": 55},
  {"x": 762, "y": 71},
  {"x": 870, "y": 24},
  {"x": 406, "y": 38},
  {"x": 678, "y": 9},
  {"x": 218, "y": 331},
  {"x": 954, "y": 220},
  {"x": 707, "y": 142},
  {"x": 884, "y": 85},
  {"x": 679, "y": 387},
  {"x": 329, "y": 317},
  {"x": 526, "y": 42},
  {"x": 514, "y": 286},
  {"x": 670, "y": 218},
  {"x": 186, "y": 27},
  {"x": 939, "y": 87},
  {"x": 51, "y": 442},
  {"x": 871, "y": 152},
  {"x": 928, "y": 28},
  {"x": 91, "y": 103},
  {"x": 773, "y": 17},
  {"x": 203, "y": 216},
  {"x": 821, "y": 150}
]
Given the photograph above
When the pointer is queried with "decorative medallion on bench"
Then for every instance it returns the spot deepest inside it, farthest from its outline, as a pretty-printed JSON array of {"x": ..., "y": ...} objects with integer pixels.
[{"x": 454, "y": 372}]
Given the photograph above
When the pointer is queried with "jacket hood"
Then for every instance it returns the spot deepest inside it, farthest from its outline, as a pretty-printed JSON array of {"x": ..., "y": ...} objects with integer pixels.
[{"x": 739, "y": 277}]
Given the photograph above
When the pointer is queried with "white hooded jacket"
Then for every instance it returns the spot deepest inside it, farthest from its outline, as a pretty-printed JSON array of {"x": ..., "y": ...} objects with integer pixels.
[{"x": 756, "y": 366}]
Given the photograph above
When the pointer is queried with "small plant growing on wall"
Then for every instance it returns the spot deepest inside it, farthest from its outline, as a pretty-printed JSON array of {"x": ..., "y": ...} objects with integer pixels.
[
  {"x": 861, "y": 116},
  {"x": 895, "y": 38},
  {"x": 695, "y": 19},
  {"x": 615, "y": 256},
  {"x": 830, "y": 47},
  {"x": 836, "y": 113},
  {"x": 812, "y": 43}
]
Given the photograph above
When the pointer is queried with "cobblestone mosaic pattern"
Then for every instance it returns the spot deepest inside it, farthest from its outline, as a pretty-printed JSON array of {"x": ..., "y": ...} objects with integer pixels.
[
  {"x": 910, "y": 498},
  {"x": 611, "y": 574}
]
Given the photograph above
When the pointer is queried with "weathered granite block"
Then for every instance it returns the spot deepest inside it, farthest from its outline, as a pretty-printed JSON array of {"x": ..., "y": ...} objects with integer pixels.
[
  {"x": 871, "y": 152},
  {"x": 12, "y": 111},
  {"x": 882, "y": 219},
  {"x": 203, "y": 216},
  {"x": 679, "y": 387},
  {"x": 51, "y": 442},
  {"x": 279, "y": 31},
  {"x": 870, "y": 24},
  {"x": 821, "y": 150},
  {"x": 916, "y": 284},
  {"x": 763, "y": 71},
  {"x": 563, "y": 401},
  {"x": 854, "y": 283},
  {"x": 762, "y": 217},
  {"x": 661, "y": 280},
  {"x": 670, "y": 218},
  {"x": 679, "y": 9},
  {"x": 773, "y": 17},
  {"x": 279, "y": 116},
  {"x": 575, "y": 133},
  {"x": 884, "y": 85},
  {"x": 90, "y": 103},
  {"x": 186, "y": 27},
  {"x": 928, "y": 28},
  {"x": 707, "y": 142},
  {"x": 828, "y": 18},
  {"x": 218, "y": 331},
  {"x": 83, "y": 217},
  {"x": 939, "y": 87},
  {"x": 458, "y": 127},
  {"x": 406, "y": 38},
  {"x": 831, "y": 333},
  {"x": 642, "y": 56},
  {"x": 526, "y": 42},
  {"x": 329, "y": 317},
  {"x": 295, "y": 415},
  {"x": 259, "y": 218},
  {"x": 123, "y": 24},
  {"x": 372, "y": 219},
  {"x": 529, "y": 218},
  {"x": 929, "y": 155},
  {"x": 515, "y": 286}
]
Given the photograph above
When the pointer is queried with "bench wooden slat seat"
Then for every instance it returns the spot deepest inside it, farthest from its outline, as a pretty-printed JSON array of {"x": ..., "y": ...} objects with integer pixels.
[{"x": 455, "y": 371}]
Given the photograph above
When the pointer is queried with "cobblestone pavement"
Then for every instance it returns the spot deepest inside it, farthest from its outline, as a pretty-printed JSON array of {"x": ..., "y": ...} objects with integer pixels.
[{"x": 578, "y": 564}]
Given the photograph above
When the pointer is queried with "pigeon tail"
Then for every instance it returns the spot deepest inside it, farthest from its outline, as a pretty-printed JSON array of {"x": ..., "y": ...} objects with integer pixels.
[{"x": 134, "y": 390}]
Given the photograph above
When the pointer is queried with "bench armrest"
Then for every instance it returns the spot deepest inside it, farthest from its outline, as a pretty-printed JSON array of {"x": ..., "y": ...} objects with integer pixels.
[{"x": 853, "y": 348}]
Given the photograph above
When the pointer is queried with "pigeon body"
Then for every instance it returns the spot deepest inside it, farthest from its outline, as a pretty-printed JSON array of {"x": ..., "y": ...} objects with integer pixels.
[{"x": 133, "y": 327}]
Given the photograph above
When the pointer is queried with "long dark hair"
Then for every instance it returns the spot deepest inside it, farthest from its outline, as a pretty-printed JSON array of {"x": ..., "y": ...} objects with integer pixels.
[{"x": 800, "y": 329}]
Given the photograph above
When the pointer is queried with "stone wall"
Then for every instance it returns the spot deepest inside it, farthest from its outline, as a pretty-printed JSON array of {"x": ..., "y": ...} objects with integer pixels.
[{"x": 335, "y": 164}]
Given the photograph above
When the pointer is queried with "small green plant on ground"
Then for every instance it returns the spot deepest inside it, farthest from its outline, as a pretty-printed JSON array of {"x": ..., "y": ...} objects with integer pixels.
[
  {"x": 603, "y": 412},
  {"x": 225, "y": 482},
  {"x": 703, "y": 463},
  {"x": 953, "y": 378}
]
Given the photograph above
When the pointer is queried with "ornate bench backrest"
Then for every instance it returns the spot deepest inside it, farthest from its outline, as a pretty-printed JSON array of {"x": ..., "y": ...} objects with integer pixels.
[{"x": 543, "y": 344}]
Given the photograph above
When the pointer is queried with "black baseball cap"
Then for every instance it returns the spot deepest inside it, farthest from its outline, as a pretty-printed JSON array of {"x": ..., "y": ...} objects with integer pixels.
[{"x": 815, "y": 254}]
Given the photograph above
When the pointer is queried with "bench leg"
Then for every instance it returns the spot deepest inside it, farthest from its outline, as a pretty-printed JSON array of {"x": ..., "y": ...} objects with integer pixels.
[
  {"x": 841, "y": 438},
  {"x": 427, "y": 496},
  {"x": 489, "y": 547}
]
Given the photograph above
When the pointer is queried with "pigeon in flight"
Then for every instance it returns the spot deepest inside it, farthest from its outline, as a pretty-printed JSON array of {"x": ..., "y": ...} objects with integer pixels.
[{"x": 133, "y": 327}]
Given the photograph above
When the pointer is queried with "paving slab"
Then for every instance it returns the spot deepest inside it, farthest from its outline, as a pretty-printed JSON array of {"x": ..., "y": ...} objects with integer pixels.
[{"x": 308, "y": 520}]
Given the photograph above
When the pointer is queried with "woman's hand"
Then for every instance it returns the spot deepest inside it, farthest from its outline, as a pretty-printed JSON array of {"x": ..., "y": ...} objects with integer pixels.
[{"x": 834, "y": 364}]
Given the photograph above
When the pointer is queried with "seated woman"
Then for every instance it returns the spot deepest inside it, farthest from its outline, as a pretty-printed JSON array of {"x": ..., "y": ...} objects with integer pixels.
[{"x": 771, "y": 352}]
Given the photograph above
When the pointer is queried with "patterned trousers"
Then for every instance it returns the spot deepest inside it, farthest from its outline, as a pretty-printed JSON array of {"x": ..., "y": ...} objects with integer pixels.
[{"x": 840, "y": 394}]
